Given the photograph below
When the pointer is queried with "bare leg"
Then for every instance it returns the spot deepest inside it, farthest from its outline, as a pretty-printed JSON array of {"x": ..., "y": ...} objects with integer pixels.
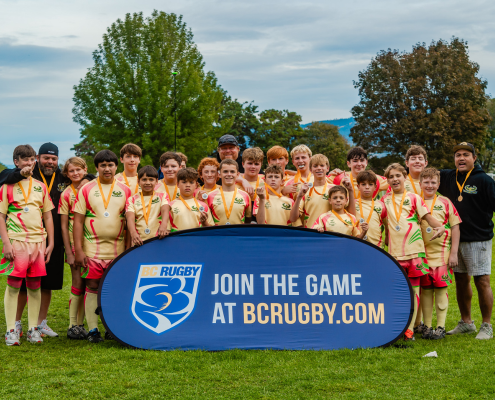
[
  {"x": 464, "y": 295},
  {"x": 485, "y": 296},
  {"x": 21, "y": 304},
  {"x": 46, "y": 298}
]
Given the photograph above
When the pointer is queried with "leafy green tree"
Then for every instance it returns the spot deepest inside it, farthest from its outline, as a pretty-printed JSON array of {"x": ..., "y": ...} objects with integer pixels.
[
  {"x": 2, "y": 167},
  {"x": 486, "y": 156},
  {"x": 323, "y": 138},
  {"x": 130, "y": 94},
  {"x": 431, "y": 96}
]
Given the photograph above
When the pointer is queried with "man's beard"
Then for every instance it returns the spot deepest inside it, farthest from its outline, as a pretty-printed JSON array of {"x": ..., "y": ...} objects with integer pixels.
[{"x": 47, "y": 170}]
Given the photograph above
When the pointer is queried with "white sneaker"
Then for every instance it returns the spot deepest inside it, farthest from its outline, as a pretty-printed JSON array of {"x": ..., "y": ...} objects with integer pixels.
[
  {"x": 46, "y": 330},
  {"x": 11, "y": 338},
  {"x": 486, "y": 331},
  {"x": 18, "y": 328},
  {"x": 34, "y": 335},
  {"x": 463, "y": 327}
]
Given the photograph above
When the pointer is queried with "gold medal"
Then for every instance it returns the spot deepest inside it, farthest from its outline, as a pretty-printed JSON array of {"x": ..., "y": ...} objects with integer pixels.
[
  {"x": 461, "y": 187},
  {"x": 459, "y": 198}
]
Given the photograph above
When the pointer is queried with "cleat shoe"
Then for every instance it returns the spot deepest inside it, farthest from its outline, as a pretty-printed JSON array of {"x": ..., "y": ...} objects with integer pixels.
[
  {"x": 108, "y": 336},
  {"x": 18, "y": 328},
  {"x": 419, "y": 328},
  {"x": 427, "y": 332},
  {"x": 74, "y": 333},
  {"x": 94, "y": 336},
  {"x": 12, "y": 338},
  {"x": 83, "y": 331},
  {"x": 486, "y": 331},
  {"x": 463, "y": 327},
  {"x": 409, "y": 335},
  {"x": 439, "y": 333},
  {"x": 34, "y": 335},
  {"x": 46, "y": 330}
]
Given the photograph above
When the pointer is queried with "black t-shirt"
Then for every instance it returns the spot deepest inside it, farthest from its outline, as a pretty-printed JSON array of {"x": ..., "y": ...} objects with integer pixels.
[{"x": 478, "y": 202}]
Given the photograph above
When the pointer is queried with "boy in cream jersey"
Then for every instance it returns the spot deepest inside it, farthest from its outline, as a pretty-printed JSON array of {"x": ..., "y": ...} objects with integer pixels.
[{"x": 130, "y": 156}]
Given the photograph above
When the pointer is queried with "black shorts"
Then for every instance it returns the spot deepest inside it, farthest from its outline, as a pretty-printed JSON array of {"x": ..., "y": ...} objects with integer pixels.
[{"x": 54, "y": 278}]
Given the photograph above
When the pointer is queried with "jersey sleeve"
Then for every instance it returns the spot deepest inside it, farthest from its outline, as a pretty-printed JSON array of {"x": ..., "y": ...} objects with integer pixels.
[
  {"x": 4, "y": 204},
  {"x": 63, "y": 204},
  {"x": 256, "y": 205},
  {"x": 319, "y": 223},
  {"x": 47, "y": 201},
  {"x": 454, "y": 218},
  {"x": 356, "y": 229},
  {"x": 421, "y": 208},
  {"x": 129, "y": 205},
  {"x": 80, "y": 205}
]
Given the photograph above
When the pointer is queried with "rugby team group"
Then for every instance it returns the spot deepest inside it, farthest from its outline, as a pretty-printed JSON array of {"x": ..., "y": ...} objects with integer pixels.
[{"x": 99, "y": 217}]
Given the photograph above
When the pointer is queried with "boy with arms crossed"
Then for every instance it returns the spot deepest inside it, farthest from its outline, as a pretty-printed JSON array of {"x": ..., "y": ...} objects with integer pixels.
[
  {"x": 187, "y": 212},
  {"x": 405, "y": 242},
  {"x": 208, "y": 172},
  {"x": 228, "y": 205},
  {"x": 271, "y": 207},
  {"x": 75, "y": 169},
  {"x": 357, "y": 161},
  {"x": 130, "y": 156},
  {"x": 170, "y": 166},
  {"x": 441, "y": 254},
  {"x": 147, "y": 211},
  {"x": 371, "y": 213},
  {"x": 99, "y": 222},
  {"x": 338, "y": 220},
  {"x": 24, "y": 206}
]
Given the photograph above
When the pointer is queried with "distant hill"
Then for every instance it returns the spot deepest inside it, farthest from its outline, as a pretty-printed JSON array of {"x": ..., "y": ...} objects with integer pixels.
[{"x": 344, "y": 125}]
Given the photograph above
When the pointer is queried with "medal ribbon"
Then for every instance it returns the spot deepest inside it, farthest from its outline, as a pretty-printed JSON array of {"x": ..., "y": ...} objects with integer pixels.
[
  {"x": 127, "y": 183},
  {"x": 166, "y": 188},
  {"x": 298, "y": 178},
  {"x": 371, "y": 211},
  {"x": 105, "y": 201},
  {"x": 342, "y": 220},
  {"x": 268, "y": 187},
  {"x": 459, "y": 186},
  {"x": 51, "y": 182},
  {"x": 146, "y": 213},
  {"x": 358, "y": 195},
  {"x": 414, "y": 186},
  {"x": 26, "y": 198},
  {"x": 316, "y": 191},
  {"x": 432, "y": 204},
  {"x": 187, "y": 205},
  {"x": 397, "y": 215},
  {"x": 209, "y": 190},
  {"x": 227, "y": 213},
  {"x": 73, "y": 189}
]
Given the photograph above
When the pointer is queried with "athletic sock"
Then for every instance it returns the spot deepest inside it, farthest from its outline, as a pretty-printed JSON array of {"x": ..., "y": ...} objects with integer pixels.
[
  {"x": 415, "y": 287},
  {"x": 81, "y": 312},
  {"x": 34, "y": 301},
  {"x": 419, "y": 315},
  {"x": 442, "y": 304},
  {"x": 427, "y": 305},
  {"x": 75, "y": 299},
  {"x": 90, "y": 305},
  {"x": 10, "y": 301}
]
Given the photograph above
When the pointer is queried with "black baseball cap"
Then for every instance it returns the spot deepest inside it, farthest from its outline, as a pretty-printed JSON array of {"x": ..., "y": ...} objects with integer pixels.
[
  {"x": 227, "y": 139},
  {"x": 465, "y": 146},
  {"x": 48, "y": 148}
]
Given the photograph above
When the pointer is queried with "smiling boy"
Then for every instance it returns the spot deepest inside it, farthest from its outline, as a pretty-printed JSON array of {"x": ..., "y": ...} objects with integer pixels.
[
  {"x": 130, "y": 156},
  {"x": 170, "y": 165}
]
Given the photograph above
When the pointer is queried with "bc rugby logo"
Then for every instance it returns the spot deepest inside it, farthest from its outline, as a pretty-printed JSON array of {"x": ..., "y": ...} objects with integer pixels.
[{"x": 165, "y": 295}]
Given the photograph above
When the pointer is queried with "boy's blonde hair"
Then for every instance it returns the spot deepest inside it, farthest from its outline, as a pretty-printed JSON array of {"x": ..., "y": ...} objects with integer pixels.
[
  {"x": 253, "y": 154},
  {"x": 182, "y": 156},
  {"x": 396, "y": 166},
  {"x": 302, "y": 148},
  {"x": 77, "y": 161},
  {"x": 429, "y": 173},
  {"x": 319, "y": 159}
]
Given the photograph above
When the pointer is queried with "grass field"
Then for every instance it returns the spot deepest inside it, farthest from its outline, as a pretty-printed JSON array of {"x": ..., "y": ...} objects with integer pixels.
[{"x": 59, "y": 368}]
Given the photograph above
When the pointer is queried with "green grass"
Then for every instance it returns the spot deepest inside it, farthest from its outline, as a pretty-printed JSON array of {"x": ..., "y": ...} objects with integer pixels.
[{"x": 60, "y": 368}]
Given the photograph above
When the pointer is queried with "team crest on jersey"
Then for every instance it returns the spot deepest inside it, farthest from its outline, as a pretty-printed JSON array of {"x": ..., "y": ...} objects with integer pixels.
[
  {"x": 239, "y": 201},
  {"x": 165, "y": 295},
  {"x": 407, "y": 202},
  {"x": 117, "y": 194},
  {"x": 155, "y": 200},
  {"x": 61, "y": 187},
  {"x": 37, "y": 189},
  {"x": 286, "y": 207},
  {"x": 438, "y": 208},
  {"x": 470, "y": 189}
]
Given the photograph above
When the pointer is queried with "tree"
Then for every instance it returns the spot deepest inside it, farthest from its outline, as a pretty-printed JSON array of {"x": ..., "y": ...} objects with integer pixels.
[
  {"x": 486, "y": 155},
  {"x": 2, "y": 167},
  {"x": 128, "y": 95},
  {"x": 431, "y": 96},
  {"x": 323, "y": 138}
]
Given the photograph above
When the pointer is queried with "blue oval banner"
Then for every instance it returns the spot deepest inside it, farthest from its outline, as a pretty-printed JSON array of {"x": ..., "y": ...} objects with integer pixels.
[{"x": 255, "y": 287}]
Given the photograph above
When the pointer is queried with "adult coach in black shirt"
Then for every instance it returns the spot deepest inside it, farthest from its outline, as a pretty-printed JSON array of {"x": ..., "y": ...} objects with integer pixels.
[
  {"x": 47, "y": 171},
  {"x": 473, "y": 193}
]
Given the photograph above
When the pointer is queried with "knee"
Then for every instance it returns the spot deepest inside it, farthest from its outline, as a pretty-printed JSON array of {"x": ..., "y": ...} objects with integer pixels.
[{"x": 482, "y": 282}]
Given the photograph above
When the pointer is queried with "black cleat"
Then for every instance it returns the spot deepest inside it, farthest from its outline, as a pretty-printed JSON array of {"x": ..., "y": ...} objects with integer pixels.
[
  {"x": 108, "y": 336},
  {"x": 427, "y": 332},
  {"x": 439, "y": 333},
  {"x": 74, "y": 333},
  {"x": 94, "y": 336}
]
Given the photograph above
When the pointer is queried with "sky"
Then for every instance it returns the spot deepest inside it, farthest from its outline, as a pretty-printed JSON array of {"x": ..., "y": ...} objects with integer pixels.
[{"x": 294, "y": 55}]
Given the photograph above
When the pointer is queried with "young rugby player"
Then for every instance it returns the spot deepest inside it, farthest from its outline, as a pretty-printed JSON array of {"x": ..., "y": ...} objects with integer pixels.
[
  {"x": 183, "y": 158},
  {"x": 252, "y": 159},
  {"x": 370, "y": 211},
  {"x": 301, "y": 157},
  {"x": 208, "y": 172},
  {"x": 271, "y": 207},
  {"x": 99, "y": 221},
  {"x": 416, "y": 161},
  {"x": 228, "y": 204},
  {"x": 147, "y": 211},
  {"x": 24, "y": 207},
  {"x": 339, "y": 220},
  {"x": 170, "y": 165},
  {"x": 130, "y": 156},
  {"x": 75, "y": 169},
  {"x": 357, "y": 161},
  {"x": 277, "y": 155},
  {"x": 187, "y": 212},
  {"x": 441, "y": 254},
  {"x": 405, "y": 243}
]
